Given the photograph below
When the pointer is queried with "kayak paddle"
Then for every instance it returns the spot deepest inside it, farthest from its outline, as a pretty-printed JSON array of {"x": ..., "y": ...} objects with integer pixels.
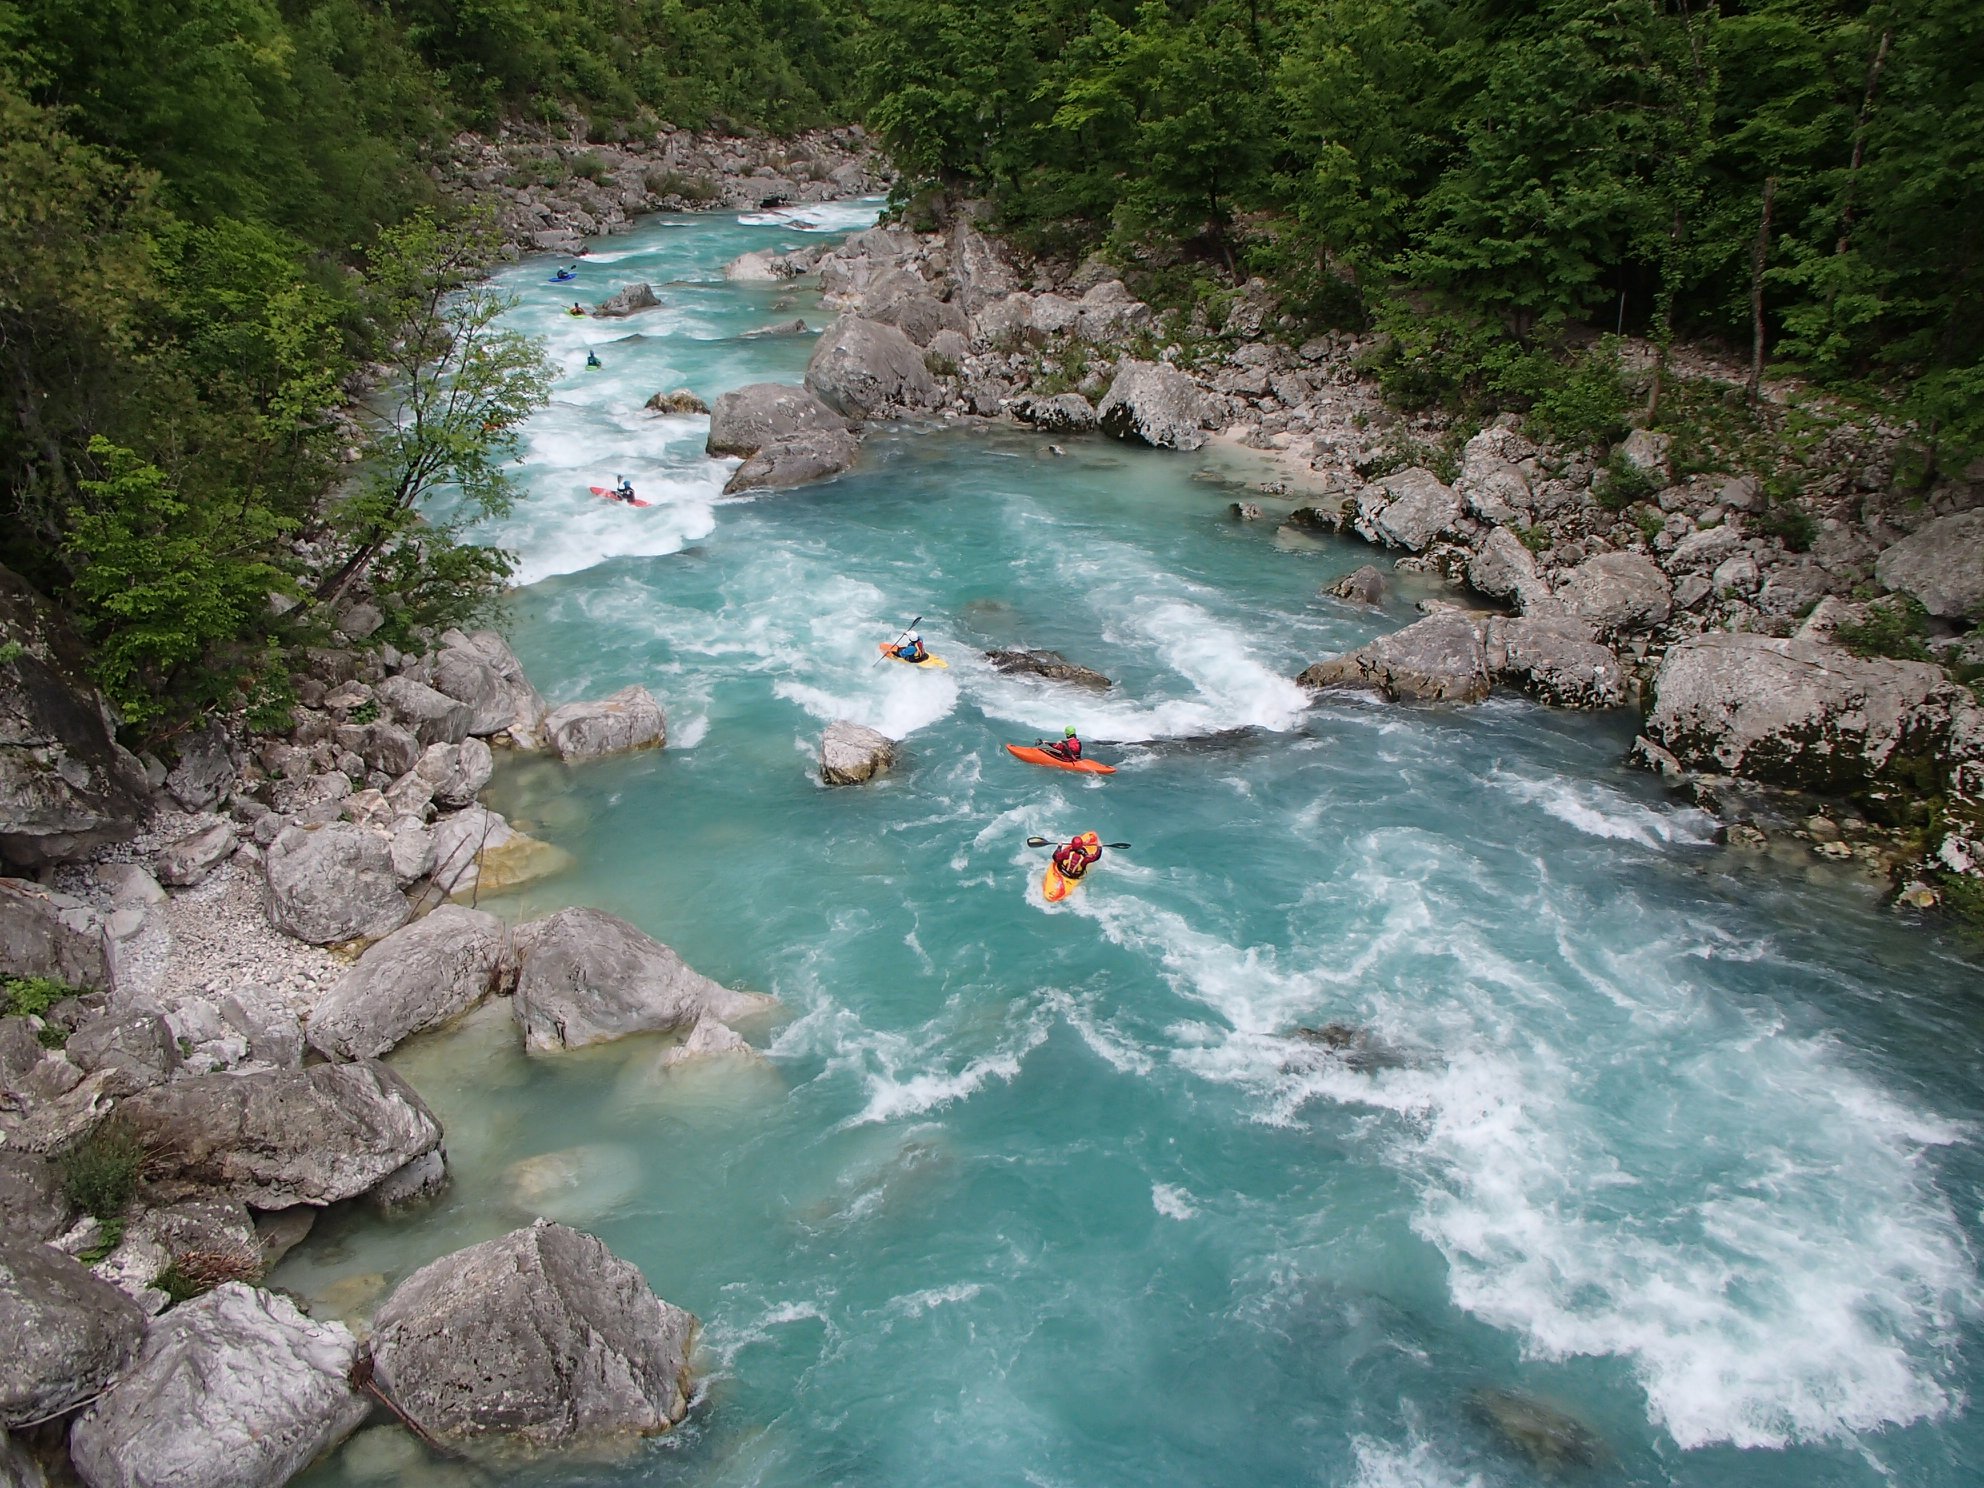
[
  {"x": 899, "y": 639},
  {"x": 1043, "y": 842}
]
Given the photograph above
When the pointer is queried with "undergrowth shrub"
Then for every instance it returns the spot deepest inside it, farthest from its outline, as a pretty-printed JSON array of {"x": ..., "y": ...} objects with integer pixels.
[
  {"x": 101, "y": 1171},
  {"x": 1895, "y": 628}
]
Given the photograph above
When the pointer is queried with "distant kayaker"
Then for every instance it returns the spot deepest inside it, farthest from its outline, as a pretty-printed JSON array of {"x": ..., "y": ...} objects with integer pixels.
[
  {"x": 625, "y": 490},
  {"x": 911, "y": 648},
  {"x": 592, "y": 360},
  {"x": 1076, "y": 856},
  {"x": 1069, "y": 748},
  {"x": 577, "y": 309}
]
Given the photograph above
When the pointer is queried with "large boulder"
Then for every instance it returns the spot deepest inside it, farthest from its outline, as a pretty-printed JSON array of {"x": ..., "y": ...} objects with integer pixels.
[
  {"x": 1407, "y": 509},
  {"x": 1797, "y": 713},
  {"x": 626, "y": 301},
  {"x": 1940, "y": 564},
  {"x": 66, "y": 786},
  {"x": 1618, "y": 592},
  {"x": 1051, "y": 665},
  {"x": 526, "y": 704},
  {"x": 979, "y": 268},
  {"x": 332, "y": 882},
  {"x": 235, "y": 1389},
  {"x": 483, "y": 673},
  {"x": 851, "y": 753},
  {"x": 135, "y": 1048},
  {"x": 204, "y": 774},
  {"x": 382, "y": 745},
  {"x": 416, "y": 978},
  {"x": 477, "y": 852},
  {"x": 273, "y": 1138},
  {"x": 432, "y": 716},
  {"x": 863, "y": 368},
  {"x": 1441, "y": 659},
  {"x": 906, "y": 302},
  {"x": 1502, "y": 567},
  {"x": 628, "y": 720},
  {"x": 455, "y": 773},
  {"x": 48, "y": 934},
  {"x": 1557, "y": 660},
  {"x": 1154, "y": 403},
  {"x": 33, "y": 1204},
  {"x": 795, "y": 461},
  {"x": 1363, "y": 585},
  {"x": 541, "y": 1338},
  {"x": 586, "y": 976},
  {"x": 67, "y": 1331},
  {"x": 747, "y": 419}
]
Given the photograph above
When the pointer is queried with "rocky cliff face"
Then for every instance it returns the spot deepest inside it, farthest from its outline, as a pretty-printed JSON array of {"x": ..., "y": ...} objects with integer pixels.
[{"x": 66, "y": 786}]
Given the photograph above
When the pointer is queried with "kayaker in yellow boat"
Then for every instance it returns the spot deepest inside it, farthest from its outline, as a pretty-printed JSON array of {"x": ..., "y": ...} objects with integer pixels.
[{"x": 1076, "y": 856}]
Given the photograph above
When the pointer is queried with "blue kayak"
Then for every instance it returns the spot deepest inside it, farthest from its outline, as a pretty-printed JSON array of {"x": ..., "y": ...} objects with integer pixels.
[{"x": 561, "y": 278}]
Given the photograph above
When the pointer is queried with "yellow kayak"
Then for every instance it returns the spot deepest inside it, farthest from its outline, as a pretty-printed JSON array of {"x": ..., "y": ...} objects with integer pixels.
[
  {"x": 1054, "y": 888},
  {"x": 889, "y": 650}
]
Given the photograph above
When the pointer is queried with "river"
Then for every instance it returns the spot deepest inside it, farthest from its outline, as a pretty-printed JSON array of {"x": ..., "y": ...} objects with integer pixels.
[{"x": 1679, "y": 1141}]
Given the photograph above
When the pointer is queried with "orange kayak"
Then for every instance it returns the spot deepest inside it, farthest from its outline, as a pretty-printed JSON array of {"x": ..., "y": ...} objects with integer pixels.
[
  {"x": 1036, "y": 756},
  {"x": 1054, "y": 888}
]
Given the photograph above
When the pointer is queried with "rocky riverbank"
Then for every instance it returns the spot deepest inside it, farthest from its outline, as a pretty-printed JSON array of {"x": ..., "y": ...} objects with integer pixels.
[
  {"x": 199, "y": 983},
  {"x": 1715, "y": 599}
]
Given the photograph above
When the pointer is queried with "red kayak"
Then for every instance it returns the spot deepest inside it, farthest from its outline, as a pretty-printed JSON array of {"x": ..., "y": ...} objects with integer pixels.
[
  {"x": 607, "y": 492},
  {"x": 1037, "y": 756}
]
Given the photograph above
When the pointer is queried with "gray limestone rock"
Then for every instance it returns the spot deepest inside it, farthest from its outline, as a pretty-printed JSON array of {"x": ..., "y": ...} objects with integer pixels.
[
  {"x": 627, "y": 300},
  {"x": 33, "y": 1203},
  {"x": 1504, "y": 568},
  {"x": 865, "y": 369},
  {"x": 1646, "y": 451},
  {"x": 234, "y": 1389},
  {"x": 456, "y": 773},
  {"x": 66, "y": 786},
  {"x": 1154, "y": 403},
  {"x": 43, "y": 933},
  {"x": 541, "y": 1338},
  {"x": 1049, "y": 664},
  {"x": 333, "y": 882},
  {"x": 1365, "y": 586},
  {"x": 465, "y": 669},
  {"x": 418, "y": 977},
  {"x": 1440, "y": 659},
  {"x": 273, "y": 1138},
  {"x": 204, "y": 774},
  {"x": 432, "y": 716},
  {"x": 382, "y": 745},
  {"x": 628, "y": 720},
  {"x": 795, "y": 461},
  {"x": 18, "y": 1467},
  {"x": 1796, "y": 713},
  {"x": 586, "y": 976},
  {"x": 1063, "y": 413},
  {"x": 68, "y": 1332},
  {"x": 682, "y": 400},
  {"x": 1557, "y": 660},
  {"x": 745, "y": 420},
  {"x": 194, "y": 856},
  {"x": 1407, "y": 509},
  {"x": 1618, "y": 592},
  {"x": 851, "y": 754},
  {"x": 136, "y": 1048}
]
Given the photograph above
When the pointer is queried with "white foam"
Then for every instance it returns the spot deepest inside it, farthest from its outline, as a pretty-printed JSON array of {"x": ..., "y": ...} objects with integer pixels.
[
  {"x": 1598, "y": 811},
  {"x": 847, "y": 215},
  {"x": 1172, "y": 1202},
  {"x": 1414, "y": 1465},
  {"x": 915, "y": 1304}
]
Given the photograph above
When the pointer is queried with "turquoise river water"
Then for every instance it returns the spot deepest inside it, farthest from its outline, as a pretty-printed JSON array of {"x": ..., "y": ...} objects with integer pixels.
[{"x": 1682, "y": 1143}]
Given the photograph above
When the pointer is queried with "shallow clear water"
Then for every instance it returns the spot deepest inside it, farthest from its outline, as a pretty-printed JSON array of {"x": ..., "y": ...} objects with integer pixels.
[{"x": 1682, "y": 1142}]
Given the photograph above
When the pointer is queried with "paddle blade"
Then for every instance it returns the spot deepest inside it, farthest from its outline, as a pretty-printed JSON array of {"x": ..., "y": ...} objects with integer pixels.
[
  {"x": 1119, "y": 846},
  {"x": 1036, "y": 842}
]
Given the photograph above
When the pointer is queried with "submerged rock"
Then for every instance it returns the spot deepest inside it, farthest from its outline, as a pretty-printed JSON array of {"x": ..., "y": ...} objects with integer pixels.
[
  {"x": 235, "y": 1389},
  {"x": 542, "y": 1338},
  {"x": 1051, "y": 665},
  {"x": 67, "y": 1331},
  {"x": 679, "y": 401},
  {"x": 274, "y": 1138},
  {"x": 416, "y": 978},
  {"x": 586, "y": 976},
  {"x": 1547, "y": 1437},
  {"x": 851, "y": 753}
]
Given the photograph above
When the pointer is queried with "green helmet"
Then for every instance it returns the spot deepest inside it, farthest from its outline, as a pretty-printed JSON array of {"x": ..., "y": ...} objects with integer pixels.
[{"x": 1067, "y": 733}]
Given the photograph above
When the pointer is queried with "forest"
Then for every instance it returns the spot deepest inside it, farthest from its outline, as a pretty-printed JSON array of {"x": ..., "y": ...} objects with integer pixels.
[{"x": 216, "y": 209}]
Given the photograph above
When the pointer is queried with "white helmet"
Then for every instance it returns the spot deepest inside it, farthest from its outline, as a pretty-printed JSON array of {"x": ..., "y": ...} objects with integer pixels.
[{"x": 916, "y": 635}]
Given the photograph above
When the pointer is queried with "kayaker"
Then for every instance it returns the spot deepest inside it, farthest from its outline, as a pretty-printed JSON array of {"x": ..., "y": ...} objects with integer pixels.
[
  {"x": 1076, "y": 856},
  {"x": 591, "y": 360},
  {"x": 625, "y": 490},
  {"x": 1069, "y": 748},
  {"x": 912, "y": 648},
  {"x": 577, "y": 309}
]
